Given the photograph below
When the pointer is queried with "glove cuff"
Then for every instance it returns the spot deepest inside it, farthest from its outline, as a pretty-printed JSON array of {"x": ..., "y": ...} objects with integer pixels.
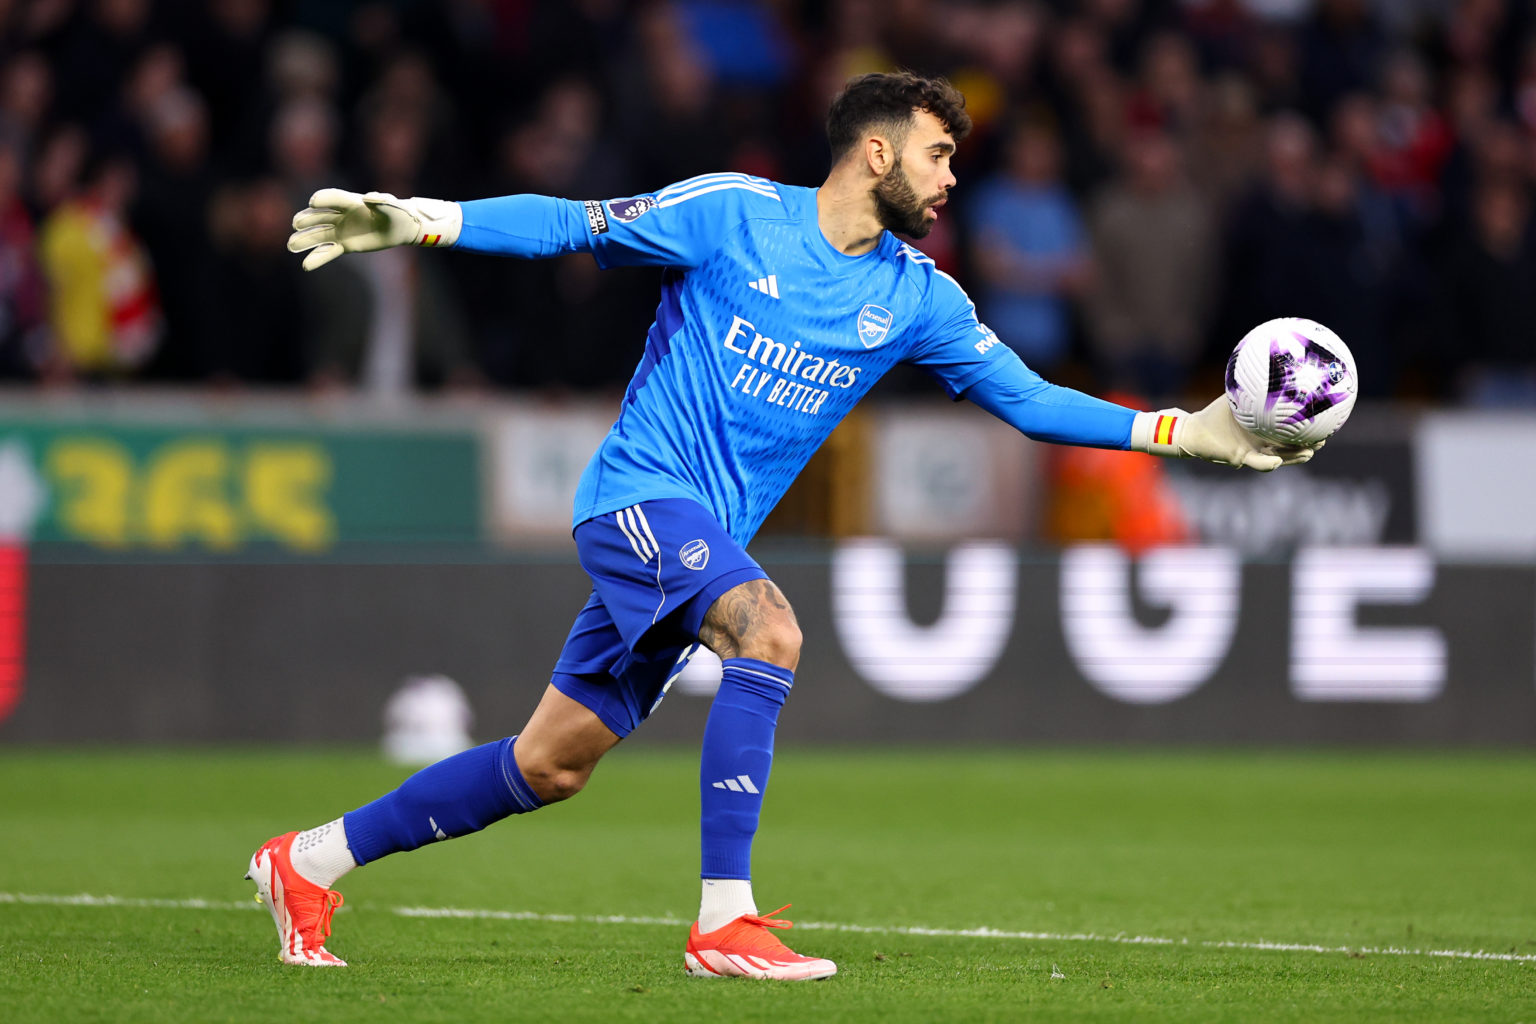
[
  {"x": 1154, "y": 432},
  {"x": 438, "y": 221}
]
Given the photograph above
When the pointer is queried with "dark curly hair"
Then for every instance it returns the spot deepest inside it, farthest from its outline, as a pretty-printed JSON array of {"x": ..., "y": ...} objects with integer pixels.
[{"x": 887, "y": 101}]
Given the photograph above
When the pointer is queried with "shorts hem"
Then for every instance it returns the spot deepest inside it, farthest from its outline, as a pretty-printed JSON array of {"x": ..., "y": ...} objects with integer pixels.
[
  {"x": 579, "y": 693},
  {"x": 698, "y": 607}
]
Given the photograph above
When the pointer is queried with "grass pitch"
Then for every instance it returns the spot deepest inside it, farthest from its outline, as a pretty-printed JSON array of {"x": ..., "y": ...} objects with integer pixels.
[{"x": 1149, "y": 882}]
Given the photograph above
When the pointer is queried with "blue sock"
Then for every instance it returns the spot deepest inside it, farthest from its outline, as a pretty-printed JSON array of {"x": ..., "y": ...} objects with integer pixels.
[
  {"x": 454, "y": 797},
  {"x": 738, "y": 754}
]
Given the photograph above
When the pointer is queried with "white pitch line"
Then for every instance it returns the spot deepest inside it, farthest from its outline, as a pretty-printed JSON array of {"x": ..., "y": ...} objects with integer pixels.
[
  {"x": 990, "y": 933},
  {"x": 88, "y": 900},
  {"x": 83, "y": 899}
]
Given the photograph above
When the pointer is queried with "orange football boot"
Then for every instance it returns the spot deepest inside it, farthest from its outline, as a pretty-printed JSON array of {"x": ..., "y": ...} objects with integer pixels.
[
  {"x": 747, "y": 948},
  {"x": 301, "y": 909}
]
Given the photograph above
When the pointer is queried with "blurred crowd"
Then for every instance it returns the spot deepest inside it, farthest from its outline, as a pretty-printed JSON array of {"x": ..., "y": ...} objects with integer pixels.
[{"x": 1147, "y": 178}]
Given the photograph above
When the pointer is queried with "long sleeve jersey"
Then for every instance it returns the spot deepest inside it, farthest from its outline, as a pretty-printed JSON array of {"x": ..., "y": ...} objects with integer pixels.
[{"x": 765, "y": 337}]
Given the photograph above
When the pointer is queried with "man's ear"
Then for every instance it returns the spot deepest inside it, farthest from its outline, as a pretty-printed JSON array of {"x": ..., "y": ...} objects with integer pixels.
[{"x": 879, "y": 154}]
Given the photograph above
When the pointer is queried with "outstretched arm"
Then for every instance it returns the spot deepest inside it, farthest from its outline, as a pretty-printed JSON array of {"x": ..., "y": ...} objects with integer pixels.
[
  {"x": 1044, "y": 411},
  {"x": 1047, "y": 412},
  {"x": 673, "y": 227},
  {"x": 337, "y": 221}
]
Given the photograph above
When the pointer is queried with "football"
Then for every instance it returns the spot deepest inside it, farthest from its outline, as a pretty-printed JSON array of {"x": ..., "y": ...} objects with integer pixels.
[{"x": 1291, "y": 381}]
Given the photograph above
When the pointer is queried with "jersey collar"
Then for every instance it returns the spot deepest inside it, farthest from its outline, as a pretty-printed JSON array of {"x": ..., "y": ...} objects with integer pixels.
[{"x": 828, "y": 255}]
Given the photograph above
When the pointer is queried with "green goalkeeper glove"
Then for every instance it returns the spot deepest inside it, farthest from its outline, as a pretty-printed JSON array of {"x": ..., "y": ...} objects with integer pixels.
[
  {"x": 1214, "y": 435},
  {"x": 337, "y": 221}
]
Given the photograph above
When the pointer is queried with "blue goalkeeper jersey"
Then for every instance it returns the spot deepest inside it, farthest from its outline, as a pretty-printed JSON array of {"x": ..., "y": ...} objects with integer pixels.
[{"x": 764, "y": 339}]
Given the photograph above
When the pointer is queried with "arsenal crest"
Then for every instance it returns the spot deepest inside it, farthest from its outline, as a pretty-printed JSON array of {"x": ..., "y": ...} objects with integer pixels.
[{"x": 874, "y": 325}]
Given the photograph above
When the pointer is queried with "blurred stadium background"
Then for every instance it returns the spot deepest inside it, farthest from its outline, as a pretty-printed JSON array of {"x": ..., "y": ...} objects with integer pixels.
[
  {"x": 221, "y": 494},
  {"x": 245, "y": 532}
]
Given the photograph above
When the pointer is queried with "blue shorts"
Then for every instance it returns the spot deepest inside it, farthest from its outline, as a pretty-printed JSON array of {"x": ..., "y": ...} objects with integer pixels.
[{"x": 656, "y": 567}]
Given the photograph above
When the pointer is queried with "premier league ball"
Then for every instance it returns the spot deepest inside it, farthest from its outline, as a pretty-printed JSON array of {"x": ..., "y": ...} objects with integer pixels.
[{"x": 1291, "y": 381}]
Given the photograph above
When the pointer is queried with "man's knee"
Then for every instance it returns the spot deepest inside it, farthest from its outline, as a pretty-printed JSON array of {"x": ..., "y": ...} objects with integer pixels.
[
  {"x": 559, "y": 747},
  {"x": 777, "y": 643},
  {"x": 753, "y": 620},
  {"x": 553, "y": 781}
]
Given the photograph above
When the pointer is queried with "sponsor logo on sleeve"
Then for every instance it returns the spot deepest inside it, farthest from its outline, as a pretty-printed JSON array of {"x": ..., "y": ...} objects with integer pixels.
[
  {"x": 694, "y": 554},
  {"x": 627, "y": 210},
  {"x": 989, "y": 339},
  {"x": 874, "y": 324},
  {"x": 596, "y": 217}
]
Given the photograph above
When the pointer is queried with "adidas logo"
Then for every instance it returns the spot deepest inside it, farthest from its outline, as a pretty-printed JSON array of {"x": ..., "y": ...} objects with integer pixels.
[
  {"x": 740, "y": 784},
  {"x": 767, "y": 285}
]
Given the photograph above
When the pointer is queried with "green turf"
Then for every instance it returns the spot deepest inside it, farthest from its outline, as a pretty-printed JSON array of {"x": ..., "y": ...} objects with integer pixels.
[{"x": 1428, "y": 851}]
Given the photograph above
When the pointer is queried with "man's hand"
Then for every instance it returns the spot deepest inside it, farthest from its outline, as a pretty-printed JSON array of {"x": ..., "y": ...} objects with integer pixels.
[
  {"x": 337, "y": 221},
  {"x": 1214, "y": 435}
]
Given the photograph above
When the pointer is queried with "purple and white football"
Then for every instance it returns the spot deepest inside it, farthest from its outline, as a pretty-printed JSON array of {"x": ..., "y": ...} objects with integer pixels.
[{"x": 1291, "y": 381}]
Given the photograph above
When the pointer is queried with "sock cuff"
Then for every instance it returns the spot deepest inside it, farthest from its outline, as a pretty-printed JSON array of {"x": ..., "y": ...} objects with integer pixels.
[
  {"x": 522, "y": 794},
  {"x": 763, "y": 670},
  {"x": 365, "y": 842}
]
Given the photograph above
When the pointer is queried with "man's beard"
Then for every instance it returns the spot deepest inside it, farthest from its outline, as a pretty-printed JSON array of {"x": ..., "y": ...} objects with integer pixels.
[{"x": 898, "y": 207}]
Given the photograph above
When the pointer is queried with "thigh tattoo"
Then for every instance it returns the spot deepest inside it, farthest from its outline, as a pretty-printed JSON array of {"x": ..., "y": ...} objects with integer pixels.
[{"x": 739, "y": 613}]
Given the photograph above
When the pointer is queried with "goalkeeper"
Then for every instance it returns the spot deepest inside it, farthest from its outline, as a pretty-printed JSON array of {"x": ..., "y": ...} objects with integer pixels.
[{"x": 780, "y": 307}]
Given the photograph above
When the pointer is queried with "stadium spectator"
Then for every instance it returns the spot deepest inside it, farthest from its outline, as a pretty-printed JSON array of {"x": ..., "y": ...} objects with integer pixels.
[
  {"x": 226, "y": 44},
  {"x": 1347, "y": 280},
  {"x": 23, "y": 302},
  {"x": 1266, "y": 239},
  {"x": 1030, "y": 248},
  {"x": 1414, "y": 137},
  {"x": 154, "y": 76},
  {"x": 1005, "y": 44},
  {"x": 411, "y": 127},
  {"x": 1103, "y": 133},
  {"x": 1341, "y": 47},
  {"x": 1471, "y": 106},
  {"x": 526, "y": 340},
  {"x": 1476, "y": 33},
  {"x": 1354, "y": 131},
  {"x": 1223, "y": 32},
  {"x": 97, "y": 52},
  {"x": 1276, "y": 70},
  {"x": 390, "y": 330},
  {"x": 26, "y": 94},
  {"x": 302, "y": 64},
  {"x": 667, "y": 108},
  {"x": 303, "y": 141},
  {"x": 740, "y": 41},
  {"x": 1226, "y": 151},
  {"x": 1523, "y": 93},
  {"x": 262, "y": 332},
  {"x": 1170, "y": 92},
  {"x": 1154, "y": 251},
  {"x": 171, "y": 215},
  {"x": 1089, "y": 98},
  {"x": 393, "y": 324},
  {"x": 104, "y": 308},
  {"x": 59, "y": 165},
  {"x": 1491, "y": 307}
]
